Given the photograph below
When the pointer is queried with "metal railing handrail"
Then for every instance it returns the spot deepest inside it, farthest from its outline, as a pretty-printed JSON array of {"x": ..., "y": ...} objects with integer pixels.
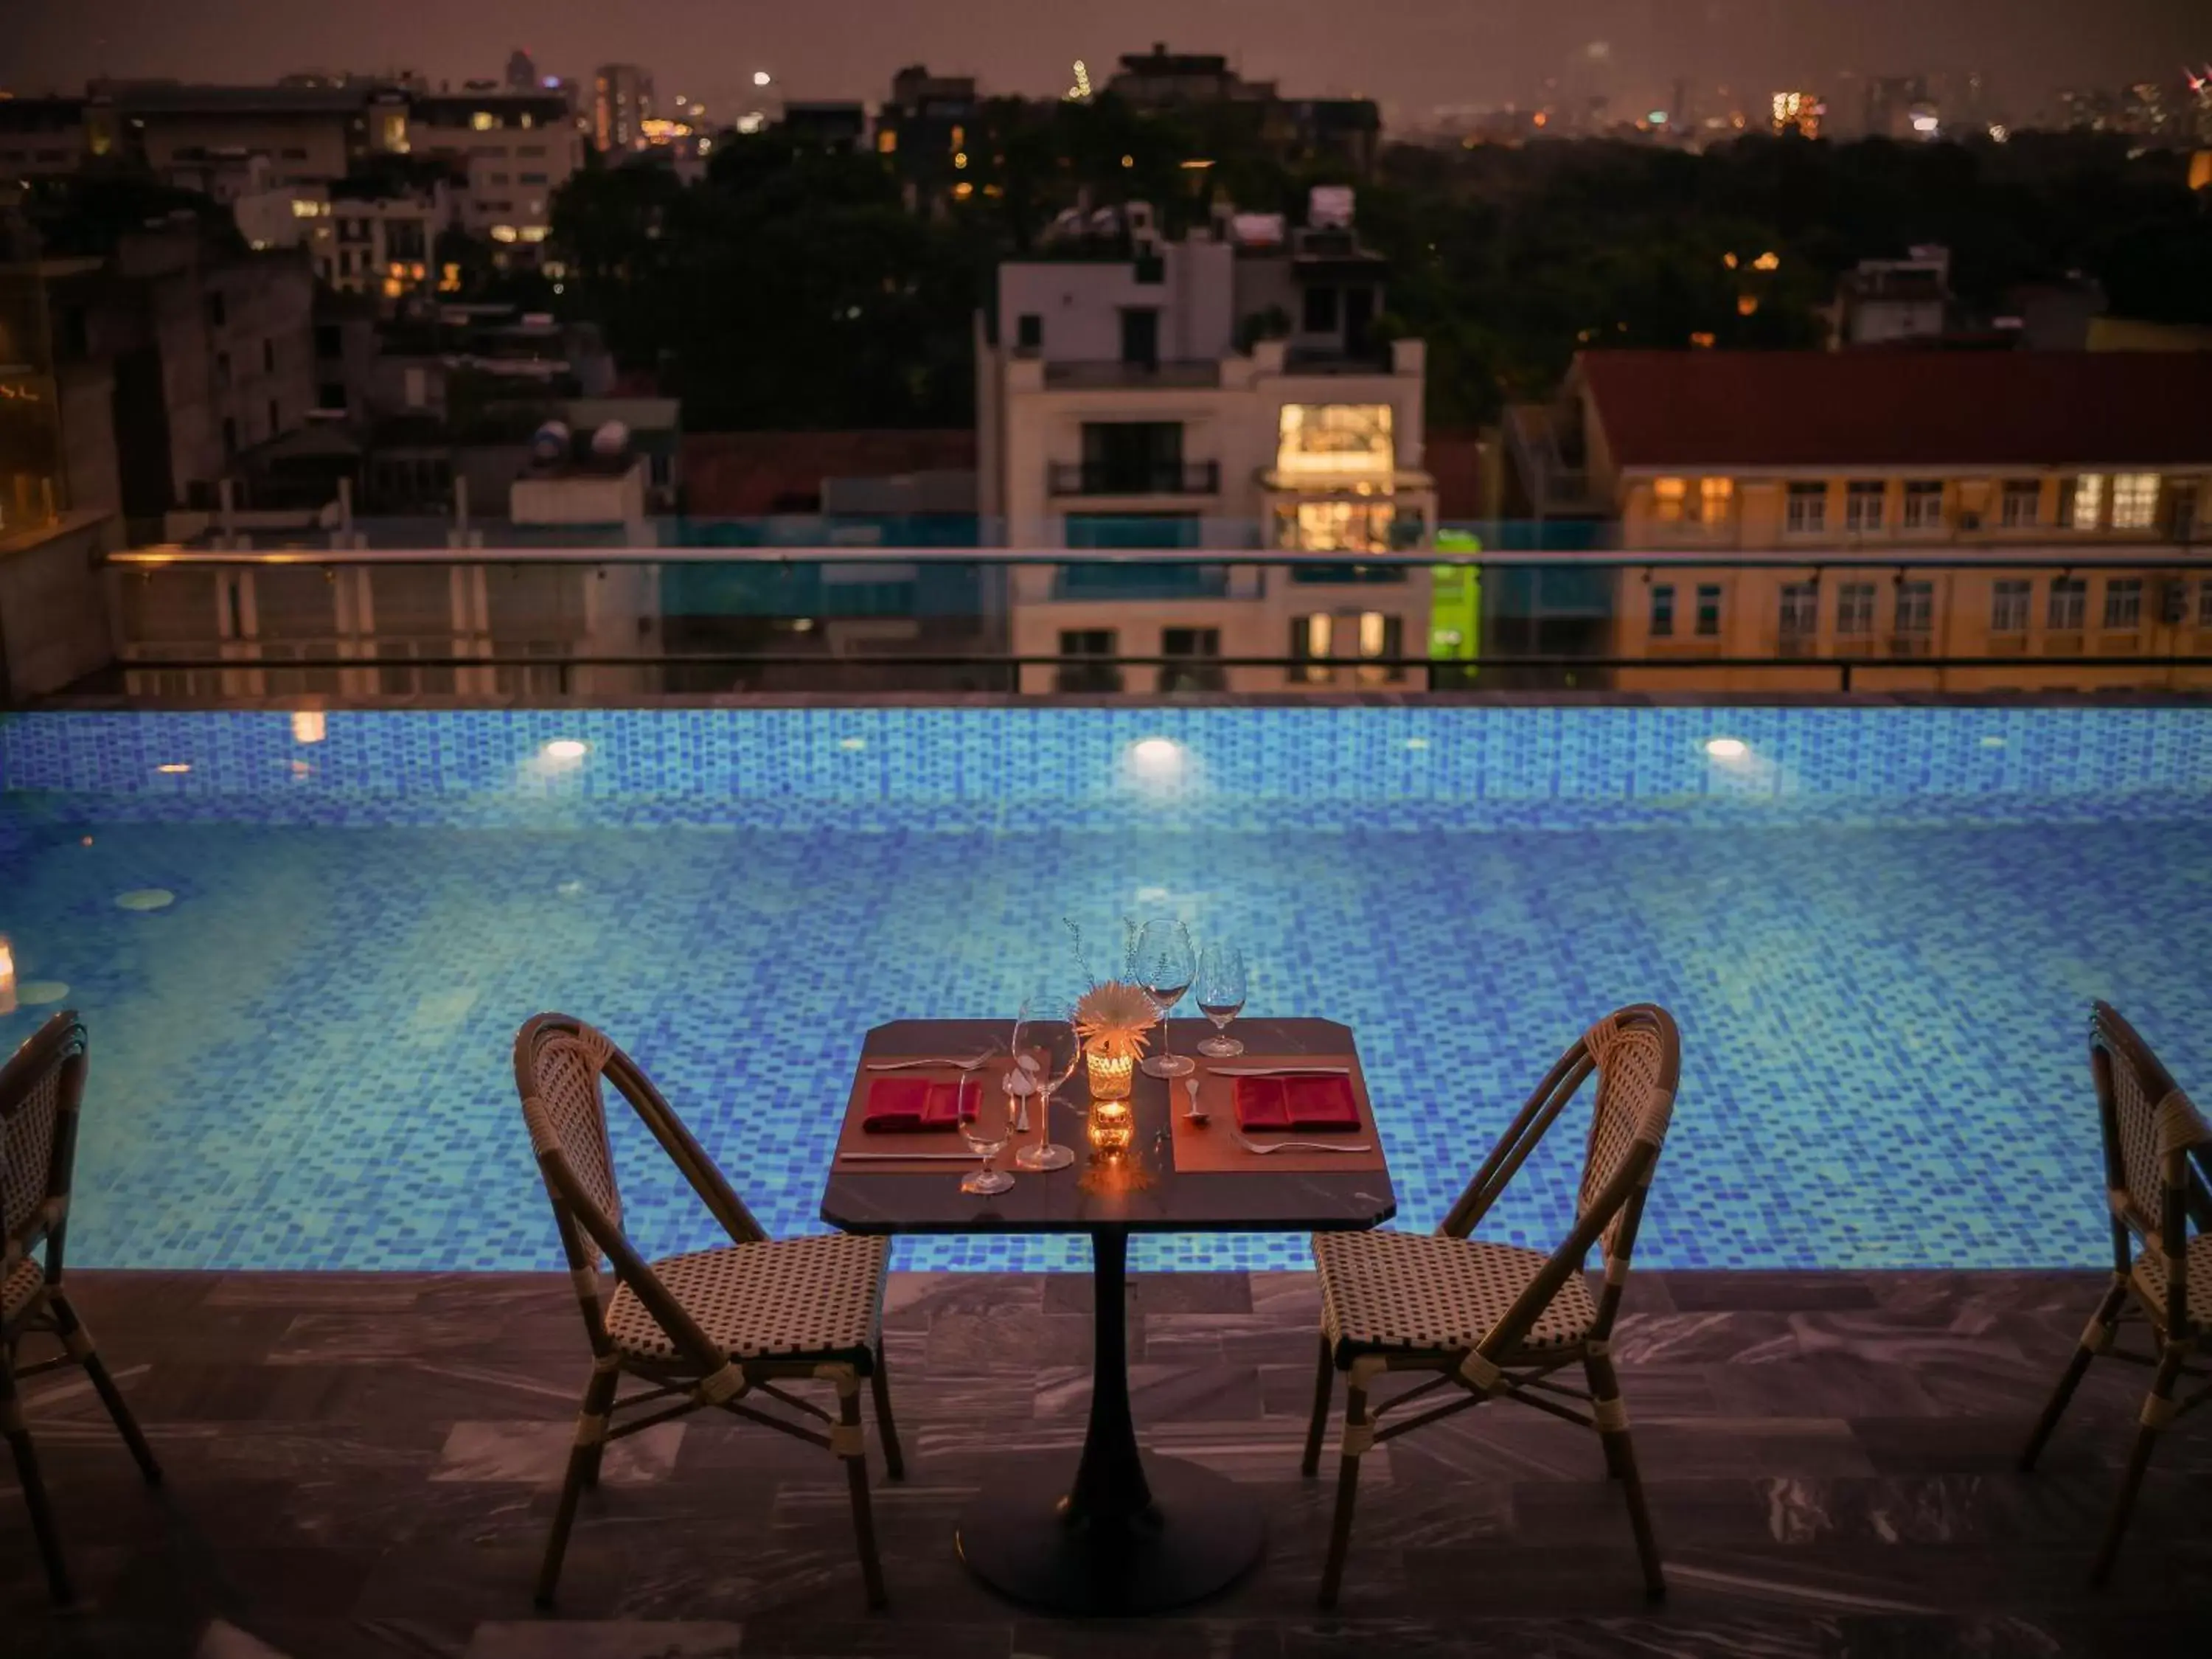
[{"x": 2176, "y": 556}]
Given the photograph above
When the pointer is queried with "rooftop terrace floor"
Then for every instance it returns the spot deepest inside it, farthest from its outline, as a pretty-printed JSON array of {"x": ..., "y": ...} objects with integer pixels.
[{"x": 364, "y": 1465}]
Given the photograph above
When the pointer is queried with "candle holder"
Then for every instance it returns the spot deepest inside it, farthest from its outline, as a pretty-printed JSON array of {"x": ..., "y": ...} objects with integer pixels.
[
  {"x": 1111, "y": 1078},
  {"x": 1111, "y": 1127}
]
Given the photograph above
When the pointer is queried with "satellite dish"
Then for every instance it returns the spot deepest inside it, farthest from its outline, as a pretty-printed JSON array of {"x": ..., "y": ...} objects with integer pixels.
[{"x": 550, "y": 443}]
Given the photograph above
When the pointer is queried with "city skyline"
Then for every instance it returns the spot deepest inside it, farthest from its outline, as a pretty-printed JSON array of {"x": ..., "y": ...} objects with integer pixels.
[{"x": 1412, "y": 56}]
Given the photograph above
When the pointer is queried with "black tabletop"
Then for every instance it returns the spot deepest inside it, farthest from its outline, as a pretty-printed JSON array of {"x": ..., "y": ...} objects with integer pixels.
[{"x": 1156, "y": 1199}]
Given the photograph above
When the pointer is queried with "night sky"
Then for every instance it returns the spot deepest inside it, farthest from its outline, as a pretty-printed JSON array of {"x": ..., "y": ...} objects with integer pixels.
[{"x": 1413, "y": 55}]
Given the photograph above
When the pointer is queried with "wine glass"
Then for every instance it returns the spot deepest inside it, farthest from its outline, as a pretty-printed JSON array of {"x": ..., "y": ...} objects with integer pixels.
[
  {"x": 987, "y": 1135},
  {"x": 1163, "y": 965},
  {"x": 1046, "y": 1049},
  {"x": 1221, "y": 997}
]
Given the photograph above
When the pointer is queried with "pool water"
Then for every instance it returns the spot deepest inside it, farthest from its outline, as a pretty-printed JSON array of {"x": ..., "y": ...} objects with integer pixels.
[{"x": 302, "y": 1060}]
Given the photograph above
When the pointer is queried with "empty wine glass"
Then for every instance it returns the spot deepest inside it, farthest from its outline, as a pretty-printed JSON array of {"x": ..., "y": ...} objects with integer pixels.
[
  {"x": 1162, "y": 964},
  {"x": 1220, "y": 997},
  {"x": 1046, "y": 1049},
  {"x": 987, "y": 1135}
]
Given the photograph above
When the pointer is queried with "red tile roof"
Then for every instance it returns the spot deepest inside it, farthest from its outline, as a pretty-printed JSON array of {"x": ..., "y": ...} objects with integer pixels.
[{"x": 1925, "y": 408}]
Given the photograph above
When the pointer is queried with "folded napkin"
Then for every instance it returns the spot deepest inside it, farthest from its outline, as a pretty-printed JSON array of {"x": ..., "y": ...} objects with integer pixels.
[
  {"x": 916, "y": 1103},
  {"x": 1309, "y": 1100}
]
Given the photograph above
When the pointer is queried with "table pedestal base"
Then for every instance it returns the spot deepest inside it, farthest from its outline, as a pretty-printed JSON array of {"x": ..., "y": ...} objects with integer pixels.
[{"x": 1201, "y": 1534}]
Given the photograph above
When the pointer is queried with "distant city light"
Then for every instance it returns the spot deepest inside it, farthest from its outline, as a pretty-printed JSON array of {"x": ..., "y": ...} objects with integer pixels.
[
  {"x": 1999, "y": 132},
  {"x": 755, "y": 122},
  {"x": 1728, "y": 259},
  {"x": 1081, "y": 92},
  {"x": 1767, "y": 262},
  {"x": 1658, "y": 117},
  {"x": 1925, "y": 124},
  {"x": 760, "y": 77}
]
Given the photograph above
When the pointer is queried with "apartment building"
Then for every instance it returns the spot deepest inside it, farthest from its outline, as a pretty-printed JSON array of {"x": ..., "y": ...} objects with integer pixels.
[
  {"x": 1884, "y": 508},
  {"x": 515, "y": 149},
  {"x": 311, "y": 133},
  {"x": 370, "y": 236},
  {"x": 1217, "y": 393},
  {"x": 41, "y": 136}
]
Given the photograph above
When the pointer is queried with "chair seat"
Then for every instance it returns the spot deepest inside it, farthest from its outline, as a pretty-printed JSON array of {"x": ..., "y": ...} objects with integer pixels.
[
  {"x": 2150, "y": 1279},
  {"x": 21, "y": 1287},
  {"x": 1430, "y": 1292},
  {"x": 782, "y": 1298}
]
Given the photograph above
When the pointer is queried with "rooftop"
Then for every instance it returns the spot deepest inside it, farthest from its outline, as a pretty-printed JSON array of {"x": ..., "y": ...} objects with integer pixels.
[{"x": 1787, "y": 409}]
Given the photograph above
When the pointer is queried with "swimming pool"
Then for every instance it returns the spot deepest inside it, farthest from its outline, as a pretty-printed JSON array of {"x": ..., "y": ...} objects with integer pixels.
[{"x": 1880, "y": 928}]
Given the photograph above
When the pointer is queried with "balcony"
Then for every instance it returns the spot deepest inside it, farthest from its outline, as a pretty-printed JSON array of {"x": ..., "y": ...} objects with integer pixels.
[{"x": 1122, "y": 478}]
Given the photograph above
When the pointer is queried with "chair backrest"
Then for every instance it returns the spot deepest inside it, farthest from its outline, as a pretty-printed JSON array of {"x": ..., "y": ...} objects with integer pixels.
[
  {"x": 1635, "y": 1054},
  {"x": 41, "y": 1088},
  {"x": 559, "y": 1065},
  {"x": 2151, "y": 1131}
]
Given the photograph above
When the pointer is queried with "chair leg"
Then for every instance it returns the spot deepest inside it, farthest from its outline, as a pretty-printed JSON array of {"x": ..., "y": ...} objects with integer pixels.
[
  {"x": 1615, "y": 1464},
  {"x": 78, "y": 1340},
  {"x": 1324, "y": 1386},
  {"x": 2095, "y": 1340},
  {"x": 583, "y": 1471},
  {"x": 1357, "y": 1433},
  {"x": 35, "y": 1488},
  {"x": 850, "y": 1442},
  {"x": 1612, "y": 1417},
  {"x": 2158, "y": 1411},
  {"x": 880, "y": 1383}
]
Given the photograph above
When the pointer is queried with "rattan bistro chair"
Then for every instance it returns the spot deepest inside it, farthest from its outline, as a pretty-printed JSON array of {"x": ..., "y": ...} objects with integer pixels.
[
  {"x": 1495, "y": 1320},
  {"x": 714, "y": 1327},
  {"x": 2152, "y": 1133},
  {"x": 41, "y": 1088}
]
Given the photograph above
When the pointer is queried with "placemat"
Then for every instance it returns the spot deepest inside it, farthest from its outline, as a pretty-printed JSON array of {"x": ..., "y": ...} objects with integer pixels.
[
  {"x": 1211, "y": 1148},
  {"x": 855, "y": 1136}
]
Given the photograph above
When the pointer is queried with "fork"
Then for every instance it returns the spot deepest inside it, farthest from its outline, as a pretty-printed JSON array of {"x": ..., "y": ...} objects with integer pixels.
[
  {"x": 967, "y": 1065},
  {"x": 1251, "y": 1145}
]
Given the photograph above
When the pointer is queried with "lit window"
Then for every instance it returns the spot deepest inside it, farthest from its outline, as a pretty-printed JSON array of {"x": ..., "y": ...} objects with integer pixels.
[
  {"x": 959, "y": 137},
  {"x": 1312, "y": 641},
  {"x": 2023, "y": 503},
  {"x": 887, "y": 142},
  {"x": 2069, "y": 598},
  {"x": 1667, "y": 500},
  {"x": 2088, "y": 507},
  {"x": 963, "y": 190},
  {"x": 2124, "y": 602},
  {"x": 1341, "y": 527},
  {"x": 1662, "y": 611},
  {"x": 1923, "y": 506},
  {"x": 2135, "y": 500},
  {"x": 503, "y": 233},
  {"x": 1808, "y": 509},
  {"x": 1714, "y": 497},
  {"x": 1708, "y": 609},
  {"x": 483, "y": 120},
  {"x": 1333, "y": 443},
  {"x": 960, "y": 158},
  {"x": 2008, "y": 607},
  {"x": 1379, "y": 637}
]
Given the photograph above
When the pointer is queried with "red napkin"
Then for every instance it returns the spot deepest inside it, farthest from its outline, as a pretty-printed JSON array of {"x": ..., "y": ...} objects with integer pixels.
[
  {"x": 916, "y": 1103},
  {"x": 1310, "y": 1100}
]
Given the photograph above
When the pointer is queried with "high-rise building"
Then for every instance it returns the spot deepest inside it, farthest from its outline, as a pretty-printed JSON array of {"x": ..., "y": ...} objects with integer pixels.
[
  {"x": 521, "y": 71},
  {"x": 1799, "y": 113},
  {"x": 622, "y": 102}
]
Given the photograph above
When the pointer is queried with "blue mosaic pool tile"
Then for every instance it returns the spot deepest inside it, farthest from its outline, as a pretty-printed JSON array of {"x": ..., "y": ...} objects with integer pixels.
[{"x": 1880, "y": 936}]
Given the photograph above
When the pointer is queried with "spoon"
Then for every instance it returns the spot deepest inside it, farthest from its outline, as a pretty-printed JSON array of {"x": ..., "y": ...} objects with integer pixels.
[{"x": 1195, "y": 1116}]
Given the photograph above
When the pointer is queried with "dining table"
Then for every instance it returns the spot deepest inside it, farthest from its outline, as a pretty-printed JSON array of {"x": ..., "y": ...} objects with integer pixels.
[{"x": 1124, "y": 1531}]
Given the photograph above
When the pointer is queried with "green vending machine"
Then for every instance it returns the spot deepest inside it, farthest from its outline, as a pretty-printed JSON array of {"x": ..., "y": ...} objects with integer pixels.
[{"x": 1456, "y": 608}]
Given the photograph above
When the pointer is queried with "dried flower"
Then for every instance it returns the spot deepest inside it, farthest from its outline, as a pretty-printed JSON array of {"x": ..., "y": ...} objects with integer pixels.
[{"x": 1113, "y": 1018}]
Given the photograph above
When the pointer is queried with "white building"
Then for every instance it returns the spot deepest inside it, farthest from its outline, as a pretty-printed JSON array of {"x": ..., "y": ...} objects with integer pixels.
[
  {"x": 1218, "y": 393},
  {"x": 517, "y": 149},
  {"x": 377, "y": 242}
]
